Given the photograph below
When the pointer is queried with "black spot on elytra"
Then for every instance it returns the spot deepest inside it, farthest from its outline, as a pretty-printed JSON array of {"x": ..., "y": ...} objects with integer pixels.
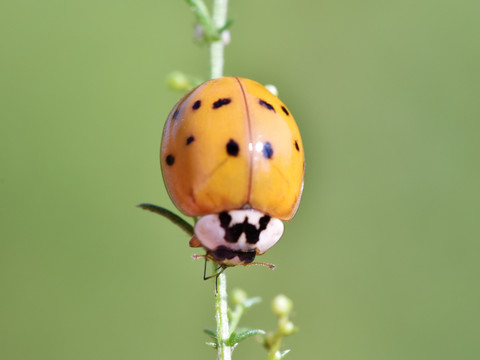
[
  {"x": 285, "y": 110},
  {"x": 296, "y": 146},
  {"x": 222, "y": 253},
  {"x": 196, "y": 105},
  {"x": 267, "y": 150},
  {"x": 267, "y": 105},
  {"x": 175, "y": 114},
  {"x": 232, "y": 148},
  {"x": 170, "y": 159},
  {"x": 190, "y": 140},
  {"x": 233, "y": 233},
  {"x": 221, "y": 102}
]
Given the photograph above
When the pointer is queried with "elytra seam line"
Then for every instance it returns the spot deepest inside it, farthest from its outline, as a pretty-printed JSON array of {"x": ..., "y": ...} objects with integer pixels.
[{"x": 250, "y": 138}]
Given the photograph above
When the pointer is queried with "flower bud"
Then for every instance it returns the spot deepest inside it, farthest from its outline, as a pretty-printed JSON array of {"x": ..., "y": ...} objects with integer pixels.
[
  {"x": 178, "y": 81},
  {"x": 286, "y": 327},
  {"x": 239, "y": 296},
  {"x": 272, "y": 88},
  {"x": 282, "y": 305}
]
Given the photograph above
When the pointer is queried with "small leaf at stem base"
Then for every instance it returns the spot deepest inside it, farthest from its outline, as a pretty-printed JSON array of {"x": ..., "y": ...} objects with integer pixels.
[
  {"x": 236, "y": 337},
  {"x": 211, "y": 333}
]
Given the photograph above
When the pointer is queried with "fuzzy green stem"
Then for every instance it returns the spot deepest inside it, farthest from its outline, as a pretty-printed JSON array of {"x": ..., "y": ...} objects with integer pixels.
[
  {"x": 236, "y": 315},
  {"x": 221, "y": 316},
  {"x": 274, "y": 350},
  {"x": 219, "y": 17}
]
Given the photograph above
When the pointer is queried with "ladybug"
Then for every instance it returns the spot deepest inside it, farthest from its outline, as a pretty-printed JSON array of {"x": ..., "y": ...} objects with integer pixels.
[{"x": 232, "y": 155}]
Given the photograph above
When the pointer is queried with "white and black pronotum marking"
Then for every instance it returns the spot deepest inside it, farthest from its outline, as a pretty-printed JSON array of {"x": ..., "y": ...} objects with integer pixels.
[{"x": 235, "y": 237}]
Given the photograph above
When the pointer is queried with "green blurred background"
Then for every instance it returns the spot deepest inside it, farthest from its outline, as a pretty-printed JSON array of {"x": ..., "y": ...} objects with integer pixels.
[{"x": 382, "y": 259}]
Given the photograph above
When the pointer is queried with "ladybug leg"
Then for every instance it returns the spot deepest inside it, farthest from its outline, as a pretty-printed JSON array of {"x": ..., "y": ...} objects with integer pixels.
[
  {"x": 221, "y": 268},
  {"x": 270, "y": 266}
]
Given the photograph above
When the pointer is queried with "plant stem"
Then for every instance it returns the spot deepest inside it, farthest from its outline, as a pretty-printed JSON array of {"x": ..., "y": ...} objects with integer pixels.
[
  {"x": 275, "y": 349},
  {"x": 235, "y": 317},
  {"x": 219, "y": 17},
  {"x": 221, "y": 316}
]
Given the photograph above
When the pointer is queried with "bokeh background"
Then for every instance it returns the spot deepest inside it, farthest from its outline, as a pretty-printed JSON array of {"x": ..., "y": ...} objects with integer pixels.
[{"x": 381, "y": 260}]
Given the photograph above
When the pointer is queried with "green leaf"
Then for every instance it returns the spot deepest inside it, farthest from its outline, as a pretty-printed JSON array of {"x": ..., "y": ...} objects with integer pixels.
[
  {"x": 177, "y": 220},
  {"x": 236, "y": 337},
  {"x": 211, "y": 333},
  {"x": 203, "y": 17},
  {"x": 227, "y": 25}
]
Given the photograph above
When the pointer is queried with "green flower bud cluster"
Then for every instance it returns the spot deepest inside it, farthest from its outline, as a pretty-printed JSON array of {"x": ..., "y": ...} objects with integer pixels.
[{"x": 282, "y": 308}]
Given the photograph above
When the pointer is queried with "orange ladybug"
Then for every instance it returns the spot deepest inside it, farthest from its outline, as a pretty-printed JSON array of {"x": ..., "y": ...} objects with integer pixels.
[{"x": 232, "y": 155}]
